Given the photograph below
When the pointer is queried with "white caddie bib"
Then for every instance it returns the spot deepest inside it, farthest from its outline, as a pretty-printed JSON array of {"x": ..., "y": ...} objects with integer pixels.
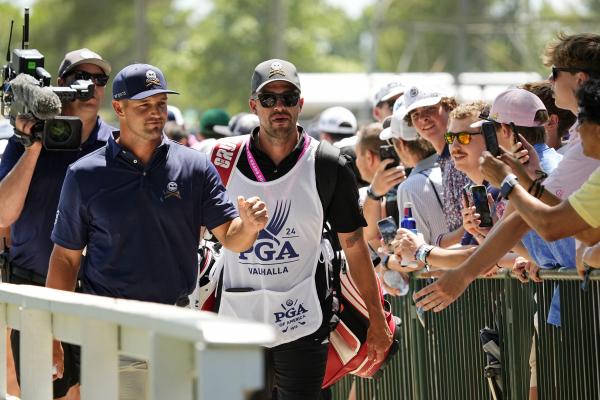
[{"x": 274, "y": 281}]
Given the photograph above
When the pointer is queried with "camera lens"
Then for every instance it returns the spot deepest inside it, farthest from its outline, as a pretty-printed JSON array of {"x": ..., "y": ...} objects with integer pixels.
[{"x": 59, "y": 131}]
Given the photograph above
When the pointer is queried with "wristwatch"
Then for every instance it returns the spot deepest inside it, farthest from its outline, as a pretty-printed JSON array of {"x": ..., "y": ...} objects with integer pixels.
[
  {"x": 372, "y": 195},
  {"x": 508, "y": 184},
  {"x": 422, "y": 253}
]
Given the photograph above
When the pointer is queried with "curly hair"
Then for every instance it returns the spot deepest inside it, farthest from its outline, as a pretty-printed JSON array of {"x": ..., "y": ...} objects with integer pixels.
[
  {"x": 588, "y": 99},
  {"x": 470, "y": 110},
  {"x": 581, "y": 50}
]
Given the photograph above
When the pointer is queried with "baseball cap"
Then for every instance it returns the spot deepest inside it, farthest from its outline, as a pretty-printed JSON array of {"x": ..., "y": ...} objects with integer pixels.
[
  {"x": 215, "y": 121},
  {"x": 518, "y": 106},
  {"x": 82, "y": 56},
  {"x": 337, "y": 120},
  {"x": 243, "y": 124},
  {"x": 274, "y": 70},
  {"x": 419, "y": 96},
  {"x": 394, "y": 126},
  {"x": 138, "y": 81},
  {"x": 388, "y": 91}
]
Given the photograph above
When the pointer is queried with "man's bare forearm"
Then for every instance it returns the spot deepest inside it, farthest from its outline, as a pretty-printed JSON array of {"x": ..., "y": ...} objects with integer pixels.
[
  {"x": 451, "y": 238},
  {"x": 372, "y": 214},
  {"x": 15, "y": 185},
  {"x": 362, "y": 271},
  {"x": 502, "y": 238}
]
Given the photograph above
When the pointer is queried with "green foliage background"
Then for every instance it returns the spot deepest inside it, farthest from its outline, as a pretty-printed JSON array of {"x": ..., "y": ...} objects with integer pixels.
[{"x": 209, "y": 58}]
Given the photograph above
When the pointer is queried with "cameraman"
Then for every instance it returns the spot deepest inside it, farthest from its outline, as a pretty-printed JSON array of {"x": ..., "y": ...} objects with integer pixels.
[{"x": 31, "y": 179}]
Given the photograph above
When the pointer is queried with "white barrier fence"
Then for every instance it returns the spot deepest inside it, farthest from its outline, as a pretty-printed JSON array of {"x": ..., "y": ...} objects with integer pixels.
[{"x": 191, "y": 354}]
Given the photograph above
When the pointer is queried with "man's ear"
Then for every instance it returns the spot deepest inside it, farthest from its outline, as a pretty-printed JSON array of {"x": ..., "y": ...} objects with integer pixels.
[
  {"x": 252, "y": 105},
  {"x": 301, "y": 103},
  {"x": 118, "y": 107}
]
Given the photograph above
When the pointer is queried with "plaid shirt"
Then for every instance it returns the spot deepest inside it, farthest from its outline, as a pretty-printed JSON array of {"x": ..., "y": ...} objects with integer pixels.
[{"x": 453, "y": 181}]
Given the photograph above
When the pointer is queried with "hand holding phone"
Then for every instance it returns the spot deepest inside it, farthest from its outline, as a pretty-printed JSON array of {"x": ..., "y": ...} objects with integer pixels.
[
  {"x": 491, "y": 140},
  {"x": 388, "y": 151},
  {"x": 387, "y": 228},
  {"x": 482, "y": 207}
]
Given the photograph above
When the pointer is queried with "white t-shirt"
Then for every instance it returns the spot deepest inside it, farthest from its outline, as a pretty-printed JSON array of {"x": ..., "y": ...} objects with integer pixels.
[{"x": 573, "y": 170}]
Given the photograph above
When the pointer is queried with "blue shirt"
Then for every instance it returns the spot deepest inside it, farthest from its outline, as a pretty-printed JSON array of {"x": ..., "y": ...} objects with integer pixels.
[
  {"x": 141, "y": 224},
  {"x": 30, "y": 234},
  {"x": 550, "y": 255}
]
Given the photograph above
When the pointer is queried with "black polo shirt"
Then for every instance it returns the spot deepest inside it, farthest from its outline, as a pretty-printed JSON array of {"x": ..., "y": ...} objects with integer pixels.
[
  {"x": 30, "y": 234},
  {"x": 344, "y": 213},
  {"x": 141, "y": 224}
]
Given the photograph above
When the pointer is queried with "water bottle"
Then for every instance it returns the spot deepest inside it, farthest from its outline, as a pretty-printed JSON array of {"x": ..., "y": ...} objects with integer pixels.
[{"x": 408, "y": 222}]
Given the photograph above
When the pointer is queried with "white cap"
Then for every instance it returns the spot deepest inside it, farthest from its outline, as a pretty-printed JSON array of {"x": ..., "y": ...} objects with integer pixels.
[
  {"x": 415, "y": 97},
  {"x": 395, "y": 127},
  {"x": 337, "y": 120},
  {"x": 388, "y": 91}
]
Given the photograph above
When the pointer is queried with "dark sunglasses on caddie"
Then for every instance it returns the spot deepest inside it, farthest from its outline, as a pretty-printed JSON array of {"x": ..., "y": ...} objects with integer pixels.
[
  {"x": 268, "y": 100},
  {"x": 461, "y": 137},
  {"x": 98, "y": 79}
]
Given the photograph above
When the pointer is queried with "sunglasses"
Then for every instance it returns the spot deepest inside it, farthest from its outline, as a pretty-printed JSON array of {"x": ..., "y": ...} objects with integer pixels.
[
  {"x": 98, "y": 79},
  {"x": 268, "y": 100},
  {"x": 557, "y": 70},
  {"x": 461, "y": 137}
]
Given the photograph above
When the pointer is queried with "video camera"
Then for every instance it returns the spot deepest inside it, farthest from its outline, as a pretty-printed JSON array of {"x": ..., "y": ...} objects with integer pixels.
[{"x": 26, "y": 90}]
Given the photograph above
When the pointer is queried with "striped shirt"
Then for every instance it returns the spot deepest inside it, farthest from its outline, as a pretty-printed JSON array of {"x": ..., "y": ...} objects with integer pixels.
[{"x": 420, "y": 188}]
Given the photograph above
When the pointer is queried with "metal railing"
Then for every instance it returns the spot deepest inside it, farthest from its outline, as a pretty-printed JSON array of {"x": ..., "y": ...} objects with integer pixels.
[
  {"x": 444, "y": 359},
  {"x": 191, "y": 354}
]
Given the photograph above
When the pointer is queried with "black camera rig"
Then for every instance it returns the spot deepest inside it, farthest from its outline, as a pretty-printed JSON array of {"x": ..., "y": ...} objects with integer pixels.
[{"x": 56, "y": 132}]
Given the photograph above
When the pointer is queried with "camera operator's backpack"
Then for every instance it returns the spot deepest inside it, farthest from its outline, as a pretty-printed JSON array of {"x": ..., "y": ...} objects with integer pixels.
[{"x": 347, "y": 348}]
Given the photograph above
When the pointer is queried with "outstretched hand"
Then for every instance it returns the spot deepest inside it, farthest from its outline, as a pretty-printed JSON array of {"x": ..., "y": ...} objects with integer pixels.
[
  {"x": 444, "y": 291},
  {"x": 253, "y": 213}
]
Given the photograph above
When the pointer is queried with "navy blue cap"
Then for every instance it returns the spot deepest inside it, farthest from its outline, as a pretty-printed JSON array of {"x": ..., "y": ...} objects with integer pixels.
[{"x": 138, "y": 81}]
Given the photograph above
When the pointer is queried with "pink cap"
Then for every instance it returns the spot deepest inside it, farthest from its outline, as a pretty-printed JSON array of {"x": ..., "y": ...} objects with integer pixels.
[{"x": 517, "y": 106}]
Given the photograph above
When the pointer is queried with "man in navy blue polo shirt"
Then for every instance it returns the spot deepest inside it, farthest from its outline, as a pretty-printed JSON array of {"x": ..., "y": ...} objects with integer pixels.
[
  {"x": 31, "y": 178},
  {"x": 139, "y": 203}
]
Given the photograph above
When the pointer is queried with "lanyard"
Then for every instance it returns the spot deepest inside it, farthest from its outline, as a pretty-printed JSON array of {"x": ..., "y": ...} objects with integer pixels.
[{"x": 254, "y": 165}]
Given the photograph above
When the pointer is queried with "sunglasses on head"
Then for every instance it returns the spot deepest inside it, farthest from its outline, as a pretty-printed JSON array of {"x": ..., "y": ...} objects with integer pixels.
[
  {"x": 557, "y": 70},
  {"x": 461, "y": 137},
  {"x": 98, "y": 79},
  {"x": 268, "y": 100}
]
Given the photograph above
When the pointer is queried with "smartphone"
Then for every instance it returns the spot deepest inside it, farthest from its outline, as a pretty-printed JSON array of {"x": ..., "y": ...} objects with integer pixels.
[
  {"x": 465, "y": 196},
  {"x": 491, "y": 140},
  {"x": 482, "y": 207},
  {"x": 387, "y": 228},
  {"x": 388, "y": 151}
]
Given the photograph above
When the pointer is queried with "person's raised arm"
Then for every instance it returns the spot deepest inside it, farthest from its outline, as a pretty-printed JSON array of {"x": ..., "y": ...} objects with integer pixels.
[
  {"x": 15, "y": 185},
  {"x": 453, "y": 283},
  {"x": 552, "y": 222},
  {"x": 240, "y": 233}
]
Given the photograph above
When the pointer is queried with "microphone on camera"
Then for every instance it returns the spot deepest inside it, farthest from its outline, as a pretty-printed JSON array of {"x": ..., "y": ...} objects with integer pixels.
[{"x": 42, "y": 102}]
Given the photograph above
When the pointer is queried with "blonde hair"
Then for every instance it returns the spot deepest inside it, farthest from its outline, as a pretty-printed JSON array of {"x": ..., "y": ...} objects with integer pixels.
[{"x": 469, "y": 110}]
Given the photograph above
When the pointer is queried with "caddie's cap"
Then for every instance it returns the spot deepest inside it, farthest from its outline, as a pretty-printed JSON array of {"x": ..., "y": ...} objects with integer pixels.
[{"x": 271, "y": 71}]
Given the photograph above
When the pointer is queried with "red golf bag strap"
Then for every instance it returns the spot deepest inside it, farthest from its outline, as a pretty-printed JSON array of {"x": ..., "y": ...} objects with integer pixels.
[{"x": 226, "y": 154}]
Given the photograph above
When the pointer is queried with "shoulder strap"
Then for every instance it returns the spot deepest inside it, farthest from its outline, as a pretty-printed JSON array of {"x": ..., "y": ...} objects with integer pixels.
[
  {"x": 327, "y": 160},
  {"x": 426, "y": 175},
  {"x": 226, "y": 154}
]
